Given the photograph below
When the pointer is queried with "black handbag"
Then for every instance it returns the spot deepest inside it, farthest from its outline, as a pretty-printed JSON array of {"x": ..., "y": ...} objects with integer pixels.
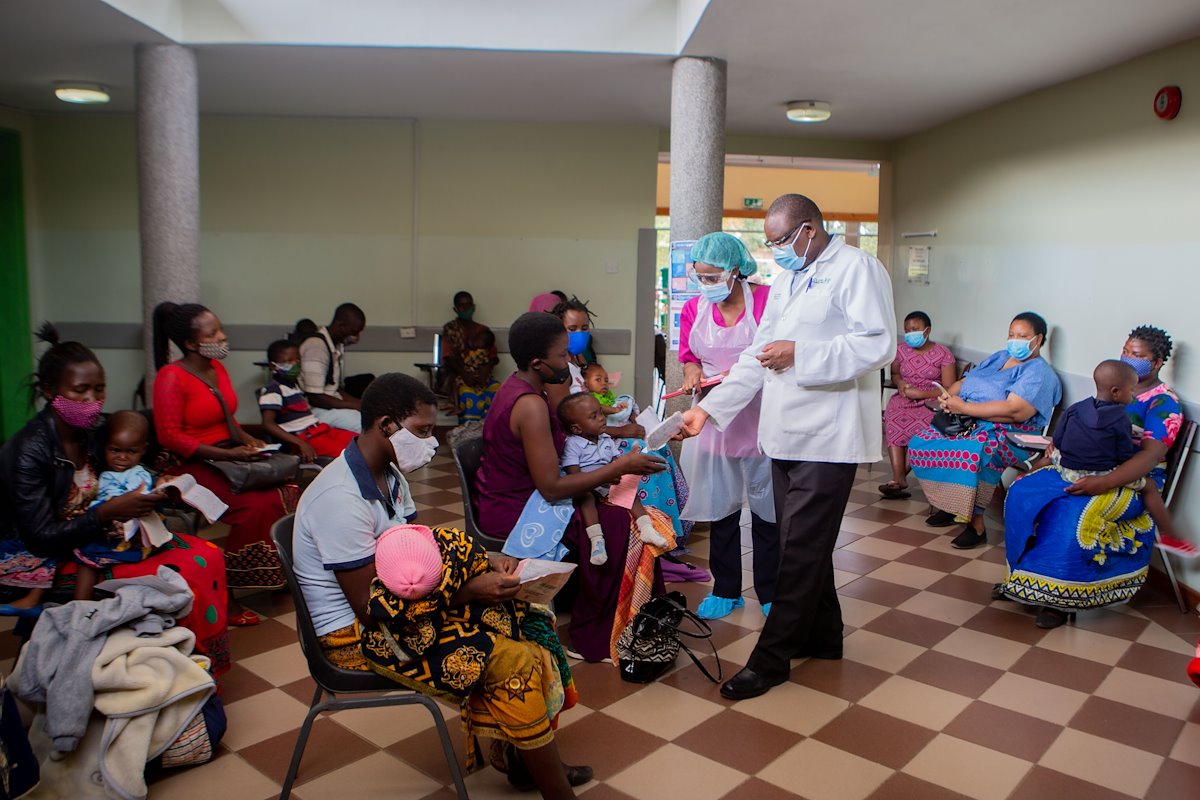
[
  {"x": 275, "y": 469},
  {"x": 650, "y": 643},
  {"x": 953, "y": 425}
]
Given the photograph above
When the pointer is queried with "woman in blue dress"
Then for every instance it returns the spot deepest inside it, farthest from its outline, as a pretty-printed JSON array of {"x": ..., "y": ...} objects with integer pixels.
[
  {"x": 1087, "y": 544},
  {"x": 1012, "y": 390}
]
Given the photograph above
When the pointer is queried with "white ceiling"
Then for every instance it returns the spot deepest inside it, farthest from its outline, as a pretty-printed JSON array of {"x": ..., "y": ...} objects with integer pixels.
[{"x": 888, "y": 68}]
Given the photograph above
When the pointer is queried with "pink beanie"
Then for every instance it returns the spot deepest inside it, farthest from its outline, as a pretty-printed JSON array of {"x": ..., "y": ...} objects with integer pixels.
[
  {"x": 408, "y": 561},
  {"x": 544, "y": 302}
]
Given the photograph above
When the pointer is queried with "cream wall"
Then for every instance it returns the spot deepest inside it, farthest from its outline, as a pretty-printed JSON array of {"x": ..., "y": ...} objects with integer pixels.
[
  {"x": 1076, "y": 202},
  {"x": 835, "y": 192},
  {"x": 300, "y": 214}
]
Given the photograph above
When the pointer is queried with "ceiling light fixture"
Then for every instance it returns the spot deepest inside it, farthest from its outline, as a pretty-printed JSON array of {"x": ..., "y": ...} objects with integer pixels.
[
  {"x": 81, "y": 93},
  {"x": 809, "y": 111}
]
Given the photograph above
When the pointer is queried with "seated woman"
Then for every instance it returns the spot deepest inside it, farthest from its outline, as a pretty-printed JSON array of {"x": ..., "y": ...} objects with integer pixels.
[
  {"x": 1014, "y": 389},
  {"x": 919, "y": 362},
  {"x": 468, "y": 643},
  {"x": 666, "y": 491},
  {"x": 523, "y": 442},
  {"x": 48, "y": 480},
  {"x": 192, "y": 428},
  {"x": 468, "y": 357},
  {"x": 1088, "y": 544}
]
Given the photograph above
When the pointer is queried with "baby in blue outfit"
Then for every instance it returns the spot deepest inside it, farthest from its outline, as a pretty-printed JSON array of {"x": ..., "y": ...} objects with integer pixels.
[{"x": 589, "y": 448}]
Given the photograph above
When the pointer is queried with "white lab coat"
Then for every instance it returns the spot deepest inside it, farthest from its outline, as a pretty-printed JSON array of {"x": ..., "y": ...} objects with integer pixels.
[{"x": 826, "y": 407}]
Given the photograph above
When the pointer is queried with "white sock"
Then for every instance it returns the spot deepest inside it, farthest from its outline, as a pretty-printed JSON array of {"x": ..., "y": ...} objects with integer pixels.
[
  {"x": 599, "y": 553},
  {"x": 646, "y": 532}
]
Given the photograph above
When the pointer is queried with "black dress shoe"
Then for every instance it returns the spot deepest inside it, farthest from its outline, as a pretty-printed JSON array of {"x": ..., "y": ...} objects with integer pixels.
[
  {"x": 968, "y": 539},
  {"x": 747, "y": 684},
  {"x": 998, "y": 592},
  {"x": 940, "y": 519},
  {"x": 1048, "y": 618},
  {"x": 520, "y": 779}
]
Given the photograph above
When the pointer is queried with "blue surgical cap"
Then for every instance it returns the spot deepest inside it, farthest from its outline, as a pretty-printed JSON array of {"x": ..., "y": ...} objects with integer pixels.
[{"x": 724, "y": 251}]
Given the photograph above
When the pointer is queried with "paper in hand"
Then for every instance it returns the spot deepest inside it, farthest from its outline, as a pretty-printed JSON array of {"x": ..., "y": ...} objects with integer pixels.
[
  {"x": 541, "y": 579},
  {"x": 662, "y": 433},
  {"x": 197, "y": 496},
  {"x": 625, "y": 491}
]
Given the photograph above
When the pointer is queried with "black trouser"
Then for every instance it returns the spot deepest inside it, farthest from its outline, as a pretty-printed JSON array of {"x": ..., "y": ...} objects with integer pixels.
[
  {"x": 810, "y": 499},
  {"x": 725, "y": 556}
]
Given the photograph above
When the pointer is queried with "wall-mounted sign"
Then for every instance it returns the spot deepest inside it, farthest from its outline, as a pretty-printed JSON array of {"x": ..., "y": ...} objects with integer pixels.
[
  {"x": 752, "y": 202},
  {"x": 918, "y": 264}
]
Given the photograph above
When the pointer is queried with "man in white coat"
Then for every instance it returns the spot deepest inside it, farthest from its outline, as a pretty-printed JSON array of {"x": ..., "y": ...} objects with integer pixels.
[{"x": 828, "y": 327}]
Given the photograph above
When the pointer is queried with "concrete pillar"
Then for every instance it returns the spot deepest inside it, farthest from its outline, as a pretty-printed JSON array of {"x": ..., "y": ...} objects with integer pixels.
[
  {"x": 168, "y": 139},
  {"x": 697, "y": 160},
  {"x": 697, "y": 146}
]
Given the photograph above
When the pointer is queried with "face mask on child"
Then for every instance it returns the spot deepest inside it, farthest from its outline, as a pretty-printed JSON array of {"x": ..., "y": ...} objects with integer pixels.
[{"x": 286, "y": 372}]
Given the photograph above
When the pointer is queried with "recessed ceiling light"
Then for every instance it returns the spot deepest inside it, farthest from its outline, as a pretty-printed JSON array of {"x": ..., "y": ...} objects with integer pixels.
[
  {"x": 81, "y": 93},
  {"x": 809, "y": 111}
]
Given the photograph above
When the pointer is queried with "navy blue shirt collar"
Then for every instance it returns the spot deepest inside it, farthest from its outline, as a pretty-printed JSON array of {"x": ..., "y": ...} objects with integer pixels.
[{"x": 367, "y": 486}]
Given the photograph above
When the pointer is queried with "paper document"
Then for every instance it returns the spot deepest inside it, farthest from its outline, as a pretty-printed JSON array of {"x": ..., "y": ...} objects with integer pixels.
[
  {"x": 196, "y": 496},
  {"x": 662, "y": 433},
  {"x": 154, "y": 533},
  {"x": 541, "y": 579},
  {"x": 625, "y": 491},
  {"x": 268, "y": 448}
]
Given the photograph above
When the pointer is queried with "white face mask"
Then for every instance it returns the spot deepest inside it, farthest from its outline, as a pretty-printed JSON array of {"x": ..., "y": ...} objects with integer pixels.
[{"x": 412, "y": 452}]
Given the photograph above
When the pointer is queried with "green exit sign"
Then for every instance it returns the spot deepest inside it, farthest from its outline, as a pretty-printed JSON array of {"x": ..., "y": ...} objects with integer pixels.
[{"x": 751, "y": 202}]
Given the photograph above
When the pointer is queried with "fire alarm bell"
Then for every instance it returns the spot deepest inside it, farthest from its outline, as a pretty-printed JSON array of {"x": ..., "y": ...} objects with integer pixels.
[{"x": 1167, "y": 102}]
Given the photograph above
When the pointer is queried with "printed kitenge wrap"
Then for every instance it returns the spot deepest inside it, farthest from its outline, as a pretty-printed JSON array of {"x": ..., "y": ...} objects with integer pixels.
[
  {"x": 502, "y": 665},
  {"x": 960, "y": 475},
  {"x": 1075, "y": 551},
  {"x": 475, "y": 348}
]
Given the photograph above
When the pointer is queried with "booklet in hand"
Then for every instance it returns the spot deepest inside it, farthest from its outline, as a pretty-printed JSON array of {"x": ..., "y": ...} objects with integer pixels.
[
  {"x": 662, "y": 433},
  {"x": 541, "y": 579}
]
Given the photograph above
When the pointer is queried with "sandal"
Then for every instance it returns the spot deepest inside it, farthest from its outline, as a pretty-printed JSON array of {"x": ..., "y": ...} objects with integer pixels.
[
  {"x": 246, "y": 619},
  {"x": 894, "y": 491}
]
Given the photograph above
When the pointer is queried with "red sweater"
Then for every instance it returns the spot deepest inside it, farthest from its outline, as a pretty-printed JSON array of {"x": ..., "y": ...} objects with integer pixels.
[{"x": 186, "y": 413}]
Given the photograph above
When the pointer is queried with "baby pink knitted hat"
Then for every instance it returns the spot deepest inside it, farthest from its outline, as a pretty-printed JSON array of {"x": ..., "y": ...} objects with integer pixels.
[{"x": 408, "y": 561}]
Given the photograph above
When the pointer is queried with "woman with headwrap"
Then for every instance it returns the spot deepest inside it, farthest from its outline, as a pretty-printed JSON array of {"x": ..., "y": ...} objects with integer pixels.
[{"x": 715, "y": 327}]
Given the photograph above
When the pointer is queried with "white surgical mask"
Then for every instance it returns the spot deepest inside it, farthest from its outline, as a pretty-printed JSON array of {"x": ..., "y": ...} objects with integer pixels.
[{"x": 412, "y": 452}]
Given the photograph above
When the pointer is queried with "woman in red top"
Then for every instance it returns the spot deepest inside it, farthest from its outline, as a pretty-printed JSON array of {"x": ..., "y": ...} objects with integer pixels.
[{"x": 191, "y": 425}]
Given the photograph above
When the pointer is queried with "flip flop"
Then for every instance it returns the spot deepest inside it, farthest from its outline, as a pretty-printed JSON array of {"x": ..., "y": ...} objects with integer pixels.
[
  {"x": 246, "y": 619},
  {"x": 892, "y": 491}
]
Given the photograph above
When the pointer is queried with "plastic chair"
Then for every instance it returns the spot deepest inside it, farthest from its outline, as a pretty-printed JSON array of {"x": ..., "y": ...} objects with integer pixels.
[
  {"x": 333, "y": 681},
  {"x": 1177, "y": 457},
  {"x": 467, "y": 455}
]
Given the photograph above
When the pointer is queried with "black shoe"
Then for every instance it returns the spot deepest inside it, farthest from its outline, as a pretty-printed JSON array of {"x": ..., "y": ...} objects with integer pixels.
[
  {"x": 520, "y": 779},
  {"x": 998, "y": 592},
  {"x": 747, "y": 684},
  {"x": 968, "y": 539},
  {"x": 940, "y": 519},
  {"x": 1048, "y": 618}
]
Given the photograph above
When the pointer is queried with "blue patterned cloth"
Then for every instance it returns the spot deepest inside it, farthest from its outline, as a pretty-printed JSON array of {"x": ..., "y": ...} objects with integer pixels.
[
  {"x": 539, "y": 530},
  {"x": 667, "y": 490}
]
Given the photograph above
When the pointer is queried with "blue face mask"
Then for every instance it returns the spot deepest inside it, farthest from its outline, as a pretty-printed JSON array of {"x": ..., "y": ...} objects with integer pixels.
[
  {"x": 786, "y": 256},
  {"x": 1140, "y": 365},
  {"x": 1019, "y": 349},
  {"x": 577, "y": 341},
  {"x": 915, "y": 339},
  {"x": 715, "y": 294}
]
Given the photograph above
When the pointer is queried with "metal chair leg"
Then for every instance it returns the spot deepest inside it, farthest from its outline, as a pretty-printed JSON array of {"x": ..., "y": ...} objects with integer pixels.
[
  {"x": 315, "y": 707},
  {"x": 1170, "y": 570},
  {"x": 447, "y": 747}
]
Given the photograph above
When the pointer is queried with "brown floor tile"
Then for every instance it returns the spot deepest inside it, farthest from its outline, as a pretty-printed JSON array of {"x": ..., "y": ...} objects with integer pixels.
[
  {"x": 447, "y": 482},
  {"x": 1186, "y": 625},
  {"x": 1007, "y": 731},
  {"x": 1112, "y": 623},
  {"x": 444, "y": 793},
  {"x": 724, "y": 633},
  {"x": 329, "y": 747},
  {"x": 1047, "y": 783},
  {"x": 846, "y": 679},
  {"x": 1006, "y": 625},
  {"x": 934, "y": 559},
  {"x": 303, "y": 690},
  {"x": 269, "y": 635},
  {"x": 1135, "y": 727},
  {"x": 952, "y": 673},
  {"x": 857, "y": 563},
  {"x": 1071, "y": 672},
  {"x": 240, "y": 683},
  {"x": 907, "y": 536},
  {"x": 864, "y": 497},
  {"x": 424, "y": 751},
  {"x": 603, "y": 791},
  {"x": 883, "y": 593},
  {"x": 846, "y": 537},
  {"x": 1154, "y": 661},
  {"x": 912, "y": 628},
  {"x": 691, "y": 680},
  {"x": 1175, "y": 781},
  {"x": 962, "y": 588},
  {"x": 600, "y": 684},
  {"x": 606, "y": 744},
  {"x": 877, "y": 737},
  {"x": 754, "y": 789},
  {"x": 879, "y": 514},
  {"x": 738, "y": 740},
  {"x": 433, "y": 517},
  {"x": 271, "y": 603},
  {"x": 995, "y": 555},
  {"x": 905, "y": 787}
]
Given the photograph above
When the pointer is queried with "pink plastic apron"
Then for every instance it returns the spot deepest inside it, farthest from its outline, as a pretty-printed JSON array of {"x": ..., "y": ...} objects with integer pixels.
[{"x": 724, "y": 466}]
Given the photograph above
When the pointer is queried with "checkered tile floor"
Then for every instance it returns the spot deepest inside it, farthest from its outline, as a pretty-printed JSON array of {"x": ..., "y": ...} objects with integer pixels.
[{"x": 942, "y": 693}]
